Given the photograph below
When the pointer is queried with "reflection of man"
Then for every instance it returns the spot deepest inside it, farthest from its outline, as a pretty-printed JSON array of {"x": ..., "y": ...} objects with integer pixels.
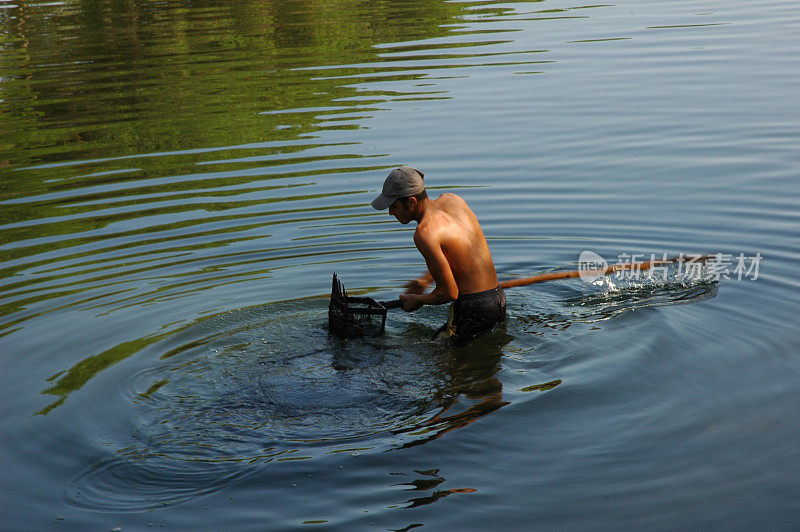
[{"x": 452, "y": 243}]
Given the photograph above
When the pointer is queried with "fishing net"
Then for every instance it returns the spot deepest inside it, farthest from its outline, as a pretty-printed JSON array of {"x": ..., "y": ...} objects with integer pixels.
[{"x": 350, "y": 316}]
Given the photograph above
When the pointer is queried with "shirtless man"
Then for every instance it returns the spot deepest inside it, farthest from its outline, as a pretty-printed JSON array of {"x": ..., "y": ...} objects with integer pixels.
[{"x": 454, "y": 247}]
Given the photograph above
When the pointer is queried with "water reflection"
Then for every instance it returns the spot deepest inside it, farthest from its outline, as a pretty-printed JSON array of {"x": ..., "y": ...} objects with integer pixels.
[
  {"x": 269, "y": 385},
  {"x": 155, "y": 153},
  {"x": 276, "y": 370},
  {"x": 164, "y": 153},
  {"x": 429, "y": 481},
  {"x": 472, "y": 388},
  {"x": 170, "y": 169},
  {"x": 141, "y": 65}
]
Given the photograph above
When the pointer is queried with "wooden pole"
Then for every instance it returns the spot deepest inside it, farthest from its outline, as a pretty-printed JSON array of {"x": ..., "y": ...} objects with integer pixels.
[{"x": 636, "y": 266}]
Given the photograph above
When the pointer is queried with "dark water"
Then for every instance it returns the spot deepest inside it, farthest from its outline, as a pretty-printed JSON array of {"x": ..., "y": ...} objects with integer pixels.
[{"x": 180, "y": 180}]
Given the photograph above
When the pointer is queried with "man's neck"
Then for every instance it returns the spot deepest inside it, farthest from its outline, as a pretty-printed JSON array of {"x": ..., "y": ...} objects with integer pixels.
[{"x": 420, "y": 211}]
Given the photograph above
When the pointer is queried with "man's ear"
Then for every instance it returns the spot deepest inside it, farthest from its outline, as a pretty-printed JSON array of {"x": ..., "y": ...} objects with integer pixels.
[{"x": 411, "y": 202}]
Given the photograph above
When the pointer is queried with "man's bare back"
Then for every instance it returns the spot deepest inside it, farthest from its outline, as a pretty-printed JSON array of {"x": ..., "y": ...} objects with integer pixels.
[{"x": 448, "y": 226}]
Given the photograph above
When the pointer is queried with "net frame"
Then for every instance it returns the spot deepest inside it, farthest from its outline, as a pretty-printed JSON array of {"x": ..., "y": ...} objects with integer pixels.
[{"x": 352, "y": 316}]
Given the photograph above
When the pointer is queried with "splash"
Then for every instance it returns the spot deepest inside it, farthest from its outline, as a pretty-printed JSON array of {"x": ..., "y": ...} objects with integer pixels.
[{"x": 612, "y": 295}]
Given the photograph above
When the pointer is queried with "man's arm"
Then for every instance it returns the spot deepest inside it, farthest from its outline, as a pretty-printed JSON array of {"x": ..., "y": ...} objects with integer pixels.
[
  {"x": 446, "y": 289},
  {"x": 420, "y": 284}
]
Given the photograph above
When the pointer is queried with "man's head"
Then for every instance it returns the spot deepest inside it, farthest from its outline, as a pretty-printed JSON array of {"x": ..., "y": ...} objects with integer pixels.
[
  {"x": 403, "y": 182},
  {"x": 408, "y": 208}
]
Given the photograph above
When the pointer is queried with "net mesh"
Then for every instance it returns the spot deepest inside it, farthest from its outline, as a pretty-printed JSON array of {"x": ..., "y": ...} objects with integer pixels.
[{"x": 350, "y": 316}]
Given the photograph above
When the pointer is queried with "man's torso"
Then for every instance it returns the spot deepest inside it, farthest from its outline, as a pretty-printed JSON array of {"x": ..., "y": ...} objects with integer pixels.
[{"x": 463, "y": 243}]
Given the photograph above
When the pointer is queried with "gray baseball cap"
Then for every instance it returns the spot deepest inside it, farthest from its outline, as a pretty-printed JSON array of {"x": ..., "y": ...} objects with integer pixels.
[{"x": 401, "y": 182}]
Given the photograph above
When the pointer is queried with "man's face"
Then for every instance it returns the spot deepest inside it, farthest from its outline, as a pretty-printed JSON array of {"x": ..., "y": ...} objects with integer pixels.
[{"x": 400, "y": 210}]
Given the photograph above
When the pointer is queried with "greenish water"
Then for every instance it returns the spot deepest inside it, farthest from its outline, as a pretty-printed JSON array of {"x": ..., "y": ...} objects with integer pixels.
[{"x": 179, "y": 180}]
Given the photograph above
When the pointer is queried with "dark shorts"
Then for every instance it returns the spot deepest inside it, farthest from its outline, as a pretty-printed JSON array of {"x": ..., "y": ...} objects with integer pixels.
[{"x": 474, "y": 314}]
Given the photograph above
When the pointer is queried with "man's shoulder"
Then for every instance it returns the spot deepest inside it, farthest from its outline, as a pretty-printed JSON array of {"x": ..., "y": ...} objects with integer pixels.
[
  {"x": 449, "y": 203},
  {"x": 449, "y": 197},
  {"x": 434, "y": 223},
  {"x": 424, "y": 236}
]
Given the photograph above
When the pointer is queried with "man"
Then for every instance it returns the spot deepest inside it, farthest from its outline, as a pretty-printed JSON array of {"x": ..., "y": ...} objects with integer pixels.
[{"x": 456, "y": 253}]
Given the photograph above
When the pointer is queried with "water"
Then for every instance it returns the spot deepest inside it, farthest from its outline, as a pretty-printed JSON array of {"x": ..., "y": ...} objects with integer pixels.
[{"x": 180, "y": 180}]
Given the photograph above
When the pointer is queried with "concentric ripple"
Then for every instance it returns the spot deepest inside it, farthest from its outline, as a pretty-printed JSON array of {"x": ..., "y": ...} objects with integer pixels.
[
  {"x": 265, "y": 384},
  {"x": 269, "y": 384}
]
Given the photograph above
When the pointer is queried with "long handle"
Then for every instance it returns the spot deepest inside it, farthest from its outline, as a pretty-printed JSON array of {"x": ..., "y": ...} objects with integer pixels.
[
  {"x": 639, "y": 266},
  {"x": 394, "y": 303}
]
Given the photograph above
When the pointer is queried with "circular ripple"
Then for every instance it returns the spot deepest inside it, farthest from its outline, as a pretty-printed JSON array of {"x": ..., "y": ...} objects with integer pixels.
[
  {"x": 260, "y": 385},
  {"x": 275, "y": 375}
]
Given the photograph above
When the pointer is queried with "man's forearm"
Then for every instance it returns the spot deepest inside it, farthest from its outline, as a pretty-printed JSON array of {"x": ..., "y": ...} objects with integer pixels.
[
  {"x": 425, "y": 278},
  {"x": 436, "y": 297},
  {"x": 412, "y": 302}
]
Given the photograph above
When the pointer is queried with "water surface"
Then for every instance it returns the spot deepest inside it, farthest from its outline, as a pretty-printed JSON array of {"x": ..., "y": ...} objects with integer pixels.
[{"x": 180, "y": 180}]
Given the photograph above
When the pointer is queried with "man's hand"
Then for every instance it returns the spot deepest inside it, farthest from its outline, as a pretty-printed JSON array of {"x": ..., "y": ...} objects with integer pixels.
[
  {"x": 419, "y": 285},
  {"x": 411, "y": 302}
]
